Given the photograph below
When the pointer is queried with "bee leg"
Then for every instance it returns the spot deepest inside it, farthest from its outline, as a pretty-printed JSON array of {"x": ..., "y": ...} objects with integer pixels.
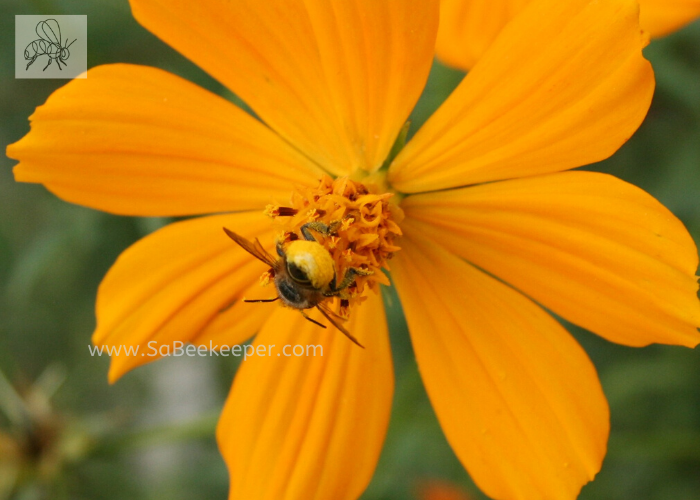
[
  {"x": 31, "y": 62},
  {"x": 311, "y": 319},
  {"x": 349, "y": 277},
  {"x": 332, "y": 288},
  {"x": 320, "y": 227},
  {"x": 317, "y": 226},
  {"x": 49, "y": 64}
]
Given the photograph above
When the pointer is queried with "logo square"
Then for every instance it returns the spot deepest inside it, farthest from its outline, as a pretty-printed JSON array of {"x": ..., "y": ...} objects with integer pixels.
[{"x": 50, "y": 46}]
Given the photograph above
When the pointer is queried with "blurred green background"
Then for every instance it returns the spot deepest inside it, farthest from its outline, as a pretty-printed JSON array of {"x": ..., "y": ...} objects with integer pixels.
[{"x": 66, "y": 434}]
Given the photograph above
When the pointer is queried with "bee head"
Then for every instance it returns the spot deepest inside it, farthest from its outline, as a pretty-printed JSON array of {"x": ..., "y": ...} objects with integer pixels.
[{"x": 308, "y": 263}]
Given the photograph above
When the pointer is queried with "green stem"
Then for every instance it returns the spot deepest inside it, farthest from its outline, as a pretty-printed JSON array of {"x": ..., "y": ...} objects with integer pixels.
[
  {"x": 203, "y": 427},
  {"x": 12, "y": 403}
]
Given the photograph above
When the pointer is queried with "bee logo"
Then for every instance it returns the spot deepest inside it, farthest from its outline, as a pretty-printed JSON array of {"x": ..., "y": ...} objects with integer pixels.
[
  {"x": 48, "y": 44},
  {"x": 304, "y": 273}
]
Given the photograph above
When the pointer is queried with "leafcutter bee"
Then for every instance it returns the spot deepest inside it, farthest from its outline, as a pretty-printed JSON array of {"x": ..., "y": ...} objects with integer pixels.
[
  {"x": 49, "y": 44},
  {"x": 304, "y": 274}
]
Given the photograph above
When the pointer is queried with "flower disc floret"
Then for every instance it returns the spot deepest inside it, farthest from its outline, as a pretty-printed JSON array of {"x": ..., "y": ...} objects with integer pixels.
[{"x": 361, "y": 229}]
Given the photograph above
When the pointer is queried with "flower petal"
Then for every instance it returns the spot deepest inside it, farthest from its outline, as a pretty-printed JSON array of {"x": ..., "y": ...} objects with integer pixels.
[
  {"x": 309, "y": 426},
  {"x": 469, "y": 27},
  {"x": 518, "y": 399},
  {"x": 602, "y": 253},
  {"x": 564, "y": 94},
  {"x": 173, "y": 284},
  {"x": 140, "y": 141},
  {"x": 661, "y": 17},
  {"x": 335, "y": 79}
]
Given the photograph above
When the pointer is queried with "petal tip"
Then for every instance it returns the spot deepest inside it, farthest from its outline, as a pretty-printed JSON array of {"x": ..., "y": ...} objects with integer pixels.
[{"x": 115, "y": 371}]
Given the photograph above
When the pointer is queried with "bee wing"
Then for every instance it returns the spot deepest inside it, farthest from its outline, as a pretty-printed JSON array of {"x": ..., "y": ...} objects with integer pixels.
[
  {"x": 336, "y": 324},
  {"x": 331, "y": 312},
  {"x": 50, "y": 31},
  {"x": 254, "y": 248}
]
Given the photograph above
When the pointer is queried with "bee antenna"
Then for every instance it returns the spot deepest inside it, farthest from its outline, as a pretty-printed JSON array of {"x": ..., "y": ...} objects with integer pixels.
[{"x": 261, "y": 300}]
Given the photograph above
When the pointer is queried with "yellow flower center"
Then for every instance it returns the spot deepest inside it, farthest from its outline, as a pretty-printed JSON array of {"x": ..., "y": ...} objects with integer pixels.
[{"x": 344, "y": 223}]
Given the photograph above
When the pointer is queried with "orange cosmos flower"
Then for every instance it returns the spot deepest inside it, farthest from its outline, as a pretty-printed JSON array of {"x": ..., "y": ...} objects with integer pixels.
[
  {"x": 493, "y": 227},
  {"x": 468, "y": 27},
  {"x": 441, "y": 490}
]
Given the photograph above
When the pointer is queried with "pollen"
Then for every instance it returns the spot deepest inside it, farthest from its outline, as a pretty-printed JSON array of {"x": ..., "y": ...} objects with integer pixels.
[
  {"x": 267, "y": 277},
  {"x": 355, "y": 225}
]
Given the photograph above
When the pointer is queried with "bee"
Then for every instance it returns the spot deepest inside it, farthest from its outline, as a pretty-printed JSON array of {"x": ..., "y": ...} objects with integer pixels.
[
  {"x": 304, "y": 273},
  {"x": 49, "y": 44}
]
